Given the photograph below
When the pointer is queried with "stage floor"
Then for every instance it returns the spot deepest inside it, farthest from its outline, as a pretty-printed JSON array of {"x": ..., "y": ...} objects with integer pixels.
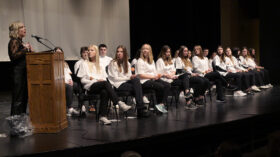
[{"x": 87, "y": 135}]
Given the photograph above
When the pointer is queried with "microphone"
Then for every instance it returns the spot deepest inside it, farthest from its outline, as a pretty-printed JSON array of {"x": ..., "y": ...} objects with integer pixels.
[{"x": 36, "y": 37}]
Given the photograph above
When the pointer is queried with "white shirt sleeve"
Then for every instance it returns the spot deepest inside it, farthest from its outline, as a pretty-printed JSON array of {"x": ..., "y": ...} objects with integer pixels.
[
  {"x": 179, "y": 64},
  {"x": 160, "y": 66}
]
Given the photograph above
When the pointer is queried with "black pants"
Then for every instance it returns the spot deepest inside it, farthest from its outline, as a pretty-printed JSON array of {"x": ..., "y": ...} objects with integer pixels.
[
  {"x": 19, "y": 90},
  {"x": 247, "y": 80},
  {"x": 162, "y": 88},
  {"x": 182, "y": 81},
  {"x": 258, "y": 77},
  {"x": 265, "y": 76},
  {"x": 237, "y": 77},
  {"x": 135, "y": 87},
  {"x": 219, "y": 82},
  {"x": 106, "y": 91},
  {"x": 199, "y": 85},
  {"x": 69, "y": 95}
]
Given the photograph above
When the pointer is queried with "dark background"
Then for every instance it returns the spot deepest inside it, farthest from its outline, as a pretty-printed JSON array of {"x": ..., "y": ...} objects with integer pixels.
[{"x": 192, "y": 22}]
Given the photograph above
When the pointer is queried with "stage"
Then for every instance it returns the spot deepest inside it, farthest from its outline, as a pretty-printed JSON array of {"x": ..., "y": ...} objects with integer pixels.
[{"x": 246, "y": 120}]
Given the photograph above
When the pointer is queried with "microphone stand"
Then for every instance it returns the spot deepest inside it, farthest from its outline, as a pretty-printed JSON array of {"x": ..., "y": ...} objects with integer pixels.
[{"x": 38, "y": 40}]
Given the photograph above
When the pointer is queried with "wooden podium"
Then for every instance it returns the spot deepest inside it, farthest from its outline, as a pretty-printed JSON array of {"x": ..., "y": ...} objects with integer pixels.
[{"x": 46, "y": 91}]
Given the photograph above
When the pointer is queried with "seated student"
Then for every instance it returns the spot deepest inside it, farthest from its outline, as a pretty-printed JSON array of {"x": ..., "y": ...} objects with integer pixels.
[
  {"x": 104, "y": 59},
  {"x": 248, "y": 79},
  {"x": 94, "y": 81},
  {"x": 84, "y": 57},
  {"x": 264, "y": 72},
  {"x": 220, "y": 65},
  {"x": 133, "y": 69},
  {"x": 119, "y": 75},
  {"x": 166, "y": 68},
  {"x": 253, "y": 78},
  {"x": 210, "y": 61},
  {"x": 200, "y": 66},
  {"x": 149, "y": 78},
  {"x": 68, "y": 86},
  {"x": 247, "y": 62},
  {"x": 198, "y": 83}
]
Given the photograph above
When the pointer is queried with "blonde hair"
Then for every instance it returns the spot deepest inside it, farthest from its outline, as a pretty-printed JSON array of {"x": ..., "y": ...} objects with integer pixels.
[
  {"x": 150, "y": 58},
  {"x": 13, "y": 29},
  {"x": 97, "y": 65}
]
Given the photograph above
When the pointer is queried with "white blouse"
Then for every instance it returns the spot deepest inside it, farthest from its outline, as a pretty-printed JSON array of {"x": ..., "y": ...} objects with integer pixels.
[
  {"x": 87, "y": 70},
  {"x": 165, "y": 69},
  {"x": 116, "y": 77},
  {"x": 218, "y": 62},
  {"x": 181, "y": 65},
  {"x": 200, "y": 65},
  {"x": 145, "y": 68},
  {"x": 249, "y": 62},
  {"x": 230, "y": 65}
]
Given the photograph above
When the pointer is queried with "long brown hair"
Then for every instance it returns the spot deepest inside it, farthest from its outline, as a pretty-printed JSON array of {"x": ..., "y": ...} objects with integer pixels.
[
  {"x": 200, "y": 55},
  {"x": 167, "y": 60},
  {"x": 123, "y": 61},
  {"x": 222, "y": 56},
  {"x": 184, "y": 59},
  {"x": 150, "y": 57},
  {"x": 229, "y": 56}
]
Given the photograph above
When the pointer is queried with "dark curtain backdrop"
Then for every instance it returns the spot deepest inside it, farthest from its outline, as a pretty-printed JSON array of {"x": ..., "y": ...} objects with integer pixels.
[{"x": 174, "y": 23}]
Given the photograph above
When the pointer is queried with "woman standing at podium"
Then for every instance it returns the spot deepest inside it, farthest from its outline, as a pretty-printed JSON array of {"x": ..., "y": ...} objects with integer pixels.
[{"x": 17, "y": 50}]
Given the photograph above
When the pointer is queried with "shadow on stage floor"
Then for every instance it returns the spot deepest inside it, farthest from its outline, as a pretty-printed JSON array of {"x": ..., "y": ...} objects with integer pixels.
[{"x": 246, "y": 120}]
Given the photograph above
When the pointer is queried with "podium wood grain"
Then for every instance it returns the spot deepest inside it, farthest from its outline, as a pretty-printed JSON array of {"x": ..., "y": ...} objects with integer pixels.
[{"x": 46, "y": 91}]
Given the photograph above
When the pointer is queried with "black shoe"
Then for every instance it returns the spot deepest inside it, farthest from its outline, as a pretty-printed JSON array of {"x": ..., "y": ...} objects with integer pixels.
[
  {"x": 143, "y": 114},
  {"x": 231, "y": 87}
]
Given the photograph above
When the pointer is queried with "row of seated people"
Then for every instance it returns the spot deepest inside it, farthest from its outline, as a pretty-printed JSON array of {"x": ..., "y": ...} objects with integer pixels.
[{"x": 184, "y": 71}]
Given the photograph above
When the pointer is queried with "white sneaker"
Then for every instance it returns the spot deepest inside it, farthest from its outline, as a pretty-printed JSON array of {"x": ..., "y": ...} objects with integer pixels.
[
  {"x": 255, "y": 89},
  {"x": 263, "y": 87},
  {"x": 105, "y": 121},
  {"x": 123, "y": 106},
  {"x": 145, "y": 100},
  {"x": 270, "y": 85},
  {"x": 84, "y": 108},
  {"x": 191, "y": 91},
  {"x": 239, "y": 93},
  {"x": 72, "y": 111}
]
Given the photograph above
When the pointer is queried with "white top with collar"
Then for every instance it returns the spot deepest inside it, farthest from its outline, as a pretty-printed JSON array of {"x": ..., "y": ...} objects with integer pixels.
[
  {"x": 87, "y": 70},
  {"x": 116, "y": 77},
  {"x": 144, "y": 67}
]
